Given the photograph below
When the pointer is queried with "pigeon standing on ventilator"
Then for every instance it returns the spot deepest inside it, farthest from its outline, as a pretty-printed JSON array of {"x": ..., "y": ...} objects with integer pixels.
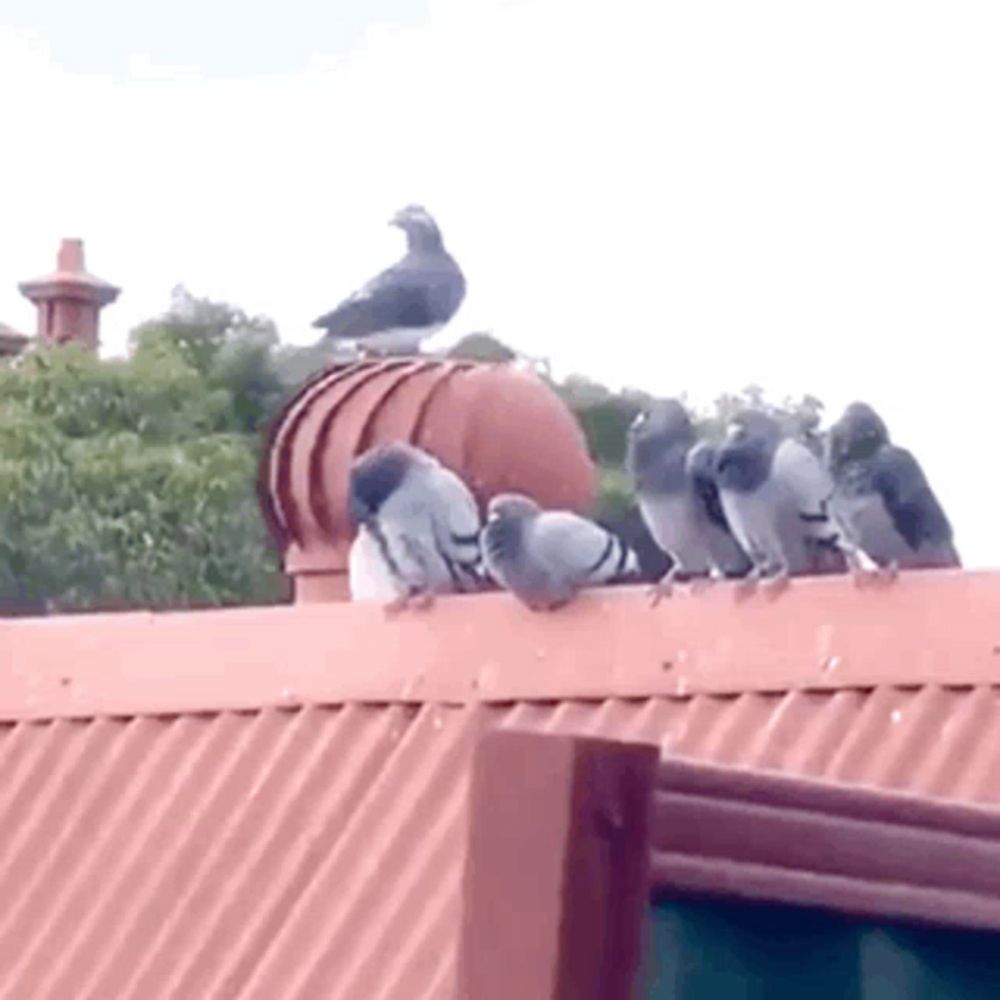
[{"x": 408, "y": 302}]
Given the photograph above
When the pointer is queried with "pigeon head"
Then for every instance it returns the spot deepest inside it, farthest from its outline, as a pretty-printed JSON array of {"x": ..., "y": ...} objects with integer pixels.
[
  {"x": 857, "y": 435},
  {"x": 753, "y": 425},
  {"x": 744, "y": 460},
  {"x": 376, "y": 476},
  {"x": 666, "y": 419},
  {"x": 421, "y": 230},
  {"x": 658, "y": 441},
  {"x": 510, "y": 507}
]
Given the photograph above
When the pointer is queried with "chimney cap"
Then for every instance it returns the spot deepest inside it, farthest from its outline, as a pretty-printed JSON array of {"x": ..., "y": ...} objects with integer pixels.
[{"x": 70, "y": 279}]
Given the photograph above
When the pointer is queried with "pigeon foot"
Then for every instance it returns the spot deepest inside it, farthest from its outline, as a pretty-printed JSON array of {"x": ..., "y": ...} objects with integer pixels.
[
  {"x": 416, "y": 600},
  {"x": 702, "y": 584},
  {"x": 747, "y": 587},
  {"x": 664, "y": 587},
  {"x": 777, "y": 584}
]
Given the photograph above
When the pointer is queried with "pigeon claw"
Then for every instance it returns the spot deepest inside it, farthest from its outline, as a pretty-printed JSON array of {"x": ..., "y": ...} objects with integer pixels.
[
  {"x": 422, "y": 599},
  {"x": 776, "y": 584},
  {"x": 415, "y": 600},
  {"x": 664, "y": 587},
  {"x": 396, "y": 605},
  {"x": 747, "y": 587}
]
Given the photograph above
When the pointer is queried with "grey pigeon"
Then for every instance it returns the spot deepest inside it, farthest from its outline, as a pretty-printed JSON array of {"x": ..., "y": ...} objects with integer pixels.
[
  {"x": 545, "y": 557},
  {"x": 775, "y": 494},
  {"x": 418, "y": 528},
  {"x": 409, "y": 301},
  {"x": 678, "y": 497},
  {"x": 882, "y": 501}
]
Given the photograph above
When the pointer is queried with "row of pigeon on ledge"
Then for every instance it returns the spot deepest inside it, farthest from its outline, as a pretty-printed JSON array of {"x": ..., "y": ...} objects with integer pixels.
[{"x": 760, "y": 507}]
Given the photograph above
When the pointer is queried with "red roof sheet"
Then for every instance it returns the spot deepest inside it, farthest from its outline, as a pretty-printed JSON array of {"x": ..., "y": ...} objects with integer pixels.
[
  {"x": 11, "y": 341},
  {"x": 271, "y": 802}
]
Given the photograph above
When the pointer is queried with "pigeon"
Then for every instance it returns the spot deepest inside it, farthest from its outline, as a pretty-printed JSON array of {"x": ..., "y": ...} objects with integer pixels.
[
  {"x": 775, "y": 494},
  {"x": 545, "y": 557},
  {"x": 882, "y": 502},
  {"x": 678, "y": 497},
  {"x": 418, "y": 528},
  {"x": 408, "y": 302}
]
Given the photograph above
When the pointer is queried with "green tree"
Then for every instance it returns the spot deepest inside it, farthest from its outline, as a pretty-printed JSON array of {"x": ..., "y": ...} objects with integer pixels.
[
  {"x": 234, "y": 353},
  {"x": 127, "y": 483},
  {"x": 481, "y": 347}
]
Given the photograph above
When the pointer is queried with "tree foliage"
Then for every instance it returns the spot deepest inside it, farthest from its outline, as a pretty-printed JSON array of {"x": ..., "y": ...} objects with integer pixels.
[
  {"x": 131, "y": 482},
  {"x": 481, "y": 347},
  {"x": 233, "y": 353}
]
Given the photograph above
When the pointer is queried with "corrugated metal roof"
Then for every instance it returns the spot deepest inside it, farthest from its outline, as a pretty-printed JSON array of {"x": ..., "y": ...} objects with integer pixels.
[
  {"x": 155, "y": 851},
  {"x": 316, "y": 851}
]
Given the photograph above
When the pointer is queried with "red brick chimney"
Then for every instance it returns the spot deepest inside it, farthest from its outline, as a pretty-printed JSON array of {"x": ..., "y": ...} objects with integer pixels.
[{"x": 69, "y": 300}]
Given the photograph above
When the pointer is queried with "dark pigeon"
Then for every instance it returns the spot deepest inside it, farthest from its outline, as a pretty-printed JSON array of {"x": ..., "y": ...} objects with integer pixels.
[
  {"x": 882, "y": 502},
  {"x": 406, "y": 303}
]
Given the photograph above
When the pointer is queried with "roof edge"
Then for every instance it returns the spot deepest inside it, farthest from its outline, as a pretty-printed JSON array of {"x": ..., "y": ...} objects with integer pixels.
[{"x": 823, "y": 634}]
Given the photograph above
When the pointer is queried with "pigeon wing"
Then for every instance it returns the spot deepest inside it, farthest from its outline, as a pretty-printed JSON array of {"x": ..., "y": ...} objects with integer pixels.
[
  {"x": 804, "y": 475},
  {"x": 909, "y": 500},
  {"x": 455, "y": 517},
  {"x": 416, "y": 292},
  {"x": 579, "y": 551},
  {"x": 700, "y": 467}
]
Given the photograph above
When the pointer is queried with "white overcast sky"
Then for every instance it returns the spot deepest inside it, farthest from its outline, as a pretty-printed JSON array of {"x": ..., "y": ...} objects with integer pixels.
[{"x": 682, "y": 196}]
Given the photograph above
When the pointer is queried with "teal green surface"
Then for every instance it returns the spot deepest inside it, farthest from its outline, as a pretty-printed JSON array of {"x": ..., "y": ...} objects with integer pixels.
[{"x": 725, "y": 951}]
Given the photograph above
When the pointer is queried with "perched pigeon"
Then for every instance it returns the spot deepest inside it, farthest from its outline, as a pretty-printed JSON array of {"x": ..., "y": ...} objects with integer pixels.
[
  {"x": 408, "y": 302},
  {"x": 882, "y": 502},
  {"x": 418, "y": 528},
  {"x": 545, "y": 557},
  {"x": 775, "y": 494},
  {"x": 678, "y": 497}
]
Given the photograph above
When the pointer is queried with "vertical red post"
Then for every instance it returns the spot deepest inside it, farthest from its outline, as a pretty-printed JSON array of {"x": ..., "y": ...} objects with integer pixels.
[{"x": 557, "y": 874}]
